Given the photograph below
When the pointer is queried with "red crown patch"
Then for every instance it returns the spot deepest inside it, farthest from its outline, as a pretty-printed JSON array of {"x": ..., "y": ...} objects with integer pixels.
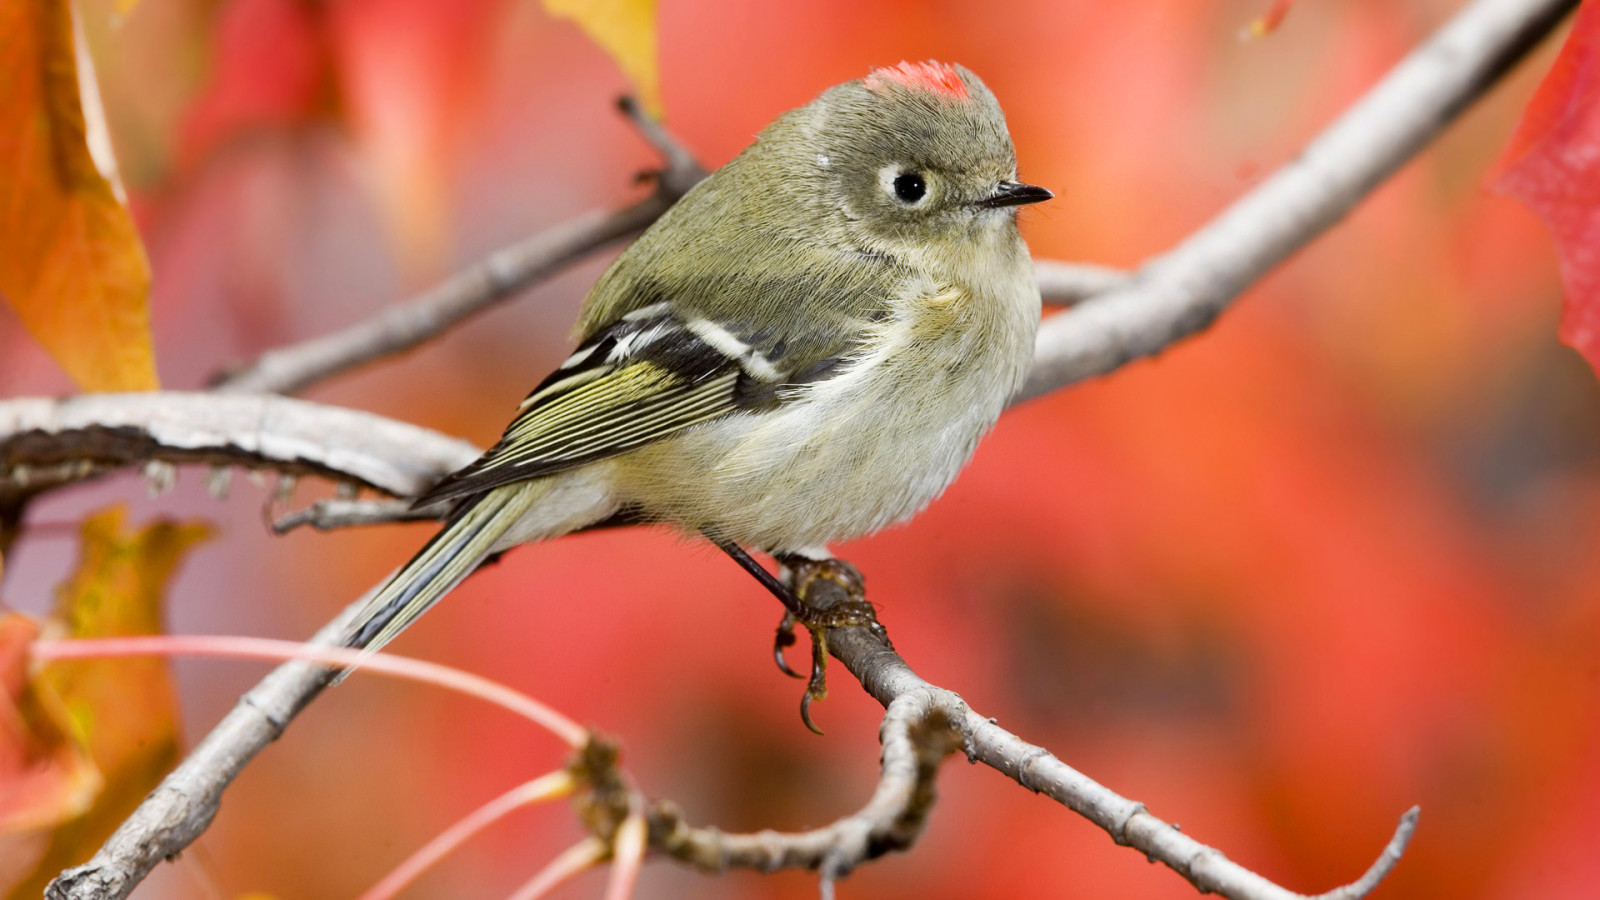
[{"x": 934, "y": 77}]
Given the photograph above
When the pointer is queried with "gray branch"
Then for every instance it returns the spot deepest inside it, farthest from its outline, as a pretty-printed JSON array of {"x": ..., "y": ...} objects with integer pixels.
[
  {"x": 1068, "y": 284},
  {"x": 1181, "y": 293},
  {"x": 1172, "y": 297},
  {"x": 888, "y": 678},
  {"x": 916, "y": 735},
  {"x": 495, "y": 278},
  {"x": 48, "y": 441},
  {"x": 181, "y": 808},
  {"x": 328, "y": 515},
  {"x": 406, "y": 325}
]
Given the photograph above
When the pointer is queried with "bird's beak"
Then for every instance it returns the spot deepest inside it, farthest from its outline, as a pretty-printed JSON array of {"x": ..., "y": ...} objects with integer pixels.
[{"x": 1015, "y": 193}]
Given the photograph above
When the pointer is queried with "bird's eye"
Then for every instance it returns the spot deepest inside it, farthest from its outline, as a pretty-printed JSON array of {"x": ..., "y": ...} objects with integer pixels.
[{"x": 910, "y": 187}]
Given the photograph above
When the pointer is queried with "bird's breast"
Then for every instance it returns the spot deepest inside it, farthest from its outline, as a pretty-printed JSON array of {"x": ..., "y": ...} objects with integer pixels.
[{"x": 870, "y": 446}]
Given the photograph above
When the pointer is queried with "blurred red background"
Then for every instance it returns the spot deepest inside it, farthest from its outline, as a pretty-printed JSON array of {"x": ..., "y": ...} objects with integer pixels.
[{"x": 1333, "y": 558}]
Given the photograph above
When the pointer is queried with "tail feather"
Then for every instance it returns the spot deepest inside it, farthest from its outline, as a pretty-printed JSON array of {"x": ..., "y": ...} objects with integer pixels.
[{"x": 442, "y": 564}]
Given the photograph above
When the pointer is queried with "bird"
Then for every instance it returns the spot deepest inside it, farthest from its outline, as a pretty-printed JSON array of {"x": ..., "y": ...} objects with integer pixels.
[{"x": 806, "y": 348}]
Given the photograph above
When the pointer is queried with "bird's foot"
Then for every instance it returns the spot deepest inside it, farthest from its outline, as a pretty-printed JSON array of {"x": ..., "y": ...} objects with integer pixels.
[{"x": 831, "y": 594}]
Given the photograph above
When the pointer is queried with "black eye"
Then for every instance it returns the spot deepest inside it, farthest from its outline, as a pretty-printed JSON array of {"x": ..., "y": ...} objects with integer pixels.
[{"x": 910, "y": 187}]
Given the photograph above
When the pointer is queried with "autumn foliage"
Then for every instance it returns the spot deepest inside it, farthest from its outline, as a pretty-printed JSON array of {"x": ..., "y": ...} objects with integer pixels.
[{"x": 1332, "y": 558}]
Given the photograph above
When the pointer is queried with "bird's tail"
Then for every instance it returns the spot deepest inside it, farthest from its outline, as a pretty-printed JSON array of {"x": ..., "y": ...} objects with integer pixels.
[{"x": 454, "y": 552}]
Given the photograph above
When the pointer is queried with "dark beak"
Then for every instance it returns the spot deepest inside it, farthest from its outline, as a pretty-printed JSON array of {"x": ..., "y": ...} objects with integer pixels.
[{"x": 1015, "y": 193}]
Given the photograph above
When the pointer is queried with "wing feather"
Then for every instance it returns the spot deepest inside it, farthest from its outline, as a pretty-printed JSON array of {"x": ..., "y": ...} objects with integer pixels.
[
  {"x": 636, "y": 382},
  {"x": 652, "y": 372}
]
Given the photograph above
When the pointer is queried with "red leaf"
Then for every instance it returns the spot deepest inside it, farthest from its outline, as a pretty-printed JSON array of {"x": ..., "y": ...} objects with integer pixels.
[{"x": 1553, "y": 165}]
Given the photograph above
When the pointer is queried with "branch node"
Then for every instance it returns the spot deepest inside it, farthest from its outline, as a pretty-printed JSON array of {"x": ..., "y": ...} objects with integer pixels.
[
  {"x": 1023, "y": 767},
  {"x": 682, "y": 171},
  {"x": 1119, "y": 829}
]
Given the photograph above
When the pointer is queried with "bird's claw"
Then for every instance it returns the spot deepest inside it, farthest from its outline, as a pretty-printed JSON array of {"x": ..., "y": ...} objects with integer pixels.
[
  {"x": 834, "y": 612},
  {"x": 783, "y": 640}
]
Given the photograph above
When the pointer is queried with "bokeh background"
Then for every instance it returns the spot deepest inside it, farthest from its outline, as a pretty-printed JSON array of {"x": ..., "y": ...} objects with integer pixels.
[{"x": 1332, "y": 558}]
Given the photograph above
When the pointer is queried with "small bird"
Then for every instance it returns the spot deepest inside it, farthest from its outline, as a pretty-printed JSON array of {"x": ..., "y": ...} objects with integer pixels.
[{"x": 806, "y": 348}]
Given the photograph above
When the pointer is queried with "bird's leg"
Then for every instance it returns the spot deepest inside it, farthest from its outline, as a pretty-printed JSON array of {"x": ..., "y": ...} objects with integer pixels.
[
  {"x": 805, "y": 574},
  {"x": 833, "y": 595},
  {"x": 791, "y": 604}
]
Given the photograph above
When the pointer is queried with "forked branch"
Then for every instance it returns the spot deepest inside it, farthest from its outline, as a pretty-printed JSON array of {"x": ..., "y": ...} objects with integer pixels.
[{"x": 1175, "y": 296}]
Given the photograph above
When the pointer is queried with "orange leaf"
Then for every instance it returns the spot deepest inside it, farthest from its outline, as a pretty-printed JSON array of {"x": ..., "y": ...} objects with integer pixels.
[
  {"x": 73, "y": 267},
  {"x": 125, "y": 709}
]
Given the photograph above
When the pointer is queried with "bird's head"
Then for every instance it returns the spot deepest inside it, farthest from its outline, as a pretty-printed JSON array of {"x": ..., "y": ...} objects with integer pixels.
[{"x": 919, "y": 152}]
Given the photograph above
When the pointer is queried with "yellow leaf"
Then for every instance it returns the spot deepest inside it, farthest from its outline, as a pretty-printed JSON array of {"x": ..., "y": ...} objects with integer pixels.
[
  {"x": 626, "y": 29},
  {"x": 72, "y": 265},
  {"x": 125, "y": 709}
]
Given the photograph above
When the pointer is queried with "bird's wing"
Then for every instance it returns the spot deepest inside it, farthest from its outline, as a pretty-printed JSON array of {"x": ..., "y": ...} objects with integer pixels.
[{"x": 645, "y": 376}]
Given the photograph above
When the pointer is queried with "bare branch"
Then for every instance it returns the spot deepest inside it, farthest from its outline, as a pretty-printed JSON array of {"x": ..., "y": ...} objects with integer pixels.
[
  {"x": 1181, "y": 293},
  {"x": 682, "y": 171},
  {"x": 327, "y": 515},
  {"x": 403, "y": 326},
  {"x": 47, "y": 441},
  {"x": 1067, "y": 284},
  {"x": 916, "y": 735},
  {"x": 181, "y": 808},
  {"x": 495, "y": 278},
  {"x": 888, "y": 678}
]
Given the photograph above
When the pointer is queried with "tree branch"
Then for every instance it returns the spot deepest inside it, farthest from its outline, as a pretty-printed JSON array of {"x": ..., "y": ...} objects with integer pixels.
[
  {"x": 889, "y": 679},
  {"x": 181, "y": 808},
  {"x": 45, "y": 441},
  {"x": 497, "y": 277},
  {"x": 1172, "y": 297},
  {"x": 327, "y": 515},
  {"x": 916, "y": 735},
  {"x": 1067, "y": 284},
  {"x": 1181, "y": 293}
]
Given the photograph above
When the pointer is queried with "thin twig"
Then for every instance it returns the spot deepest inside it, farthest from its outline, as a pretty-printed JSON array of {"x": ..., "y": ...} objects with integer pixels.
[
  {"x": 327, "y": 515},
  {"x": 587, "y": 852},
  {"x": 627, "y": 856},
  {"x": 547, "y": 787},
  {"x": 493, "y": 279},
  {"x": 229, "y": 646},
  {"x": 916, "y": 736},
  {"x": 183, "y": 805},
  {"x": 181, "y": 808}
]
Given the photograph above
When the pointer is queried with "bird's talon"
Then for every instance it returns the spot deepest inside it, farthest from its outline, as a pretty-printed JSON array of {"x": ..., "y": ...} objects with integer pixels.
[
  {"x": 805, "y": 713},
  {"x": 783, "y": 640}
]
